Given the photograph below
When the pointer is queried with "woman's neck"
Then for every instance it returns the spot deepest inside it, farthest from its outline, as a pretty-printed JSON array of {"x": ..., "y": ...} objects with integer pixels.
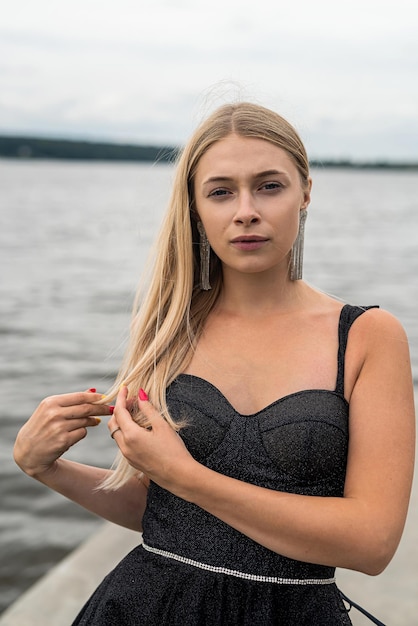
[{"x": 257, "y": 295}]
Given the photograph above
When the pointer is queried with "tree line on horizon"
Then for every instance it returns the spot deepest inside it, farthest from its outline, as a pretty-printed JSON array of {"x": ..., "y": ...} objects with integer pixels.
[
  {"x": 22, "y": 147},
  {"x": 42, "y": 148}
]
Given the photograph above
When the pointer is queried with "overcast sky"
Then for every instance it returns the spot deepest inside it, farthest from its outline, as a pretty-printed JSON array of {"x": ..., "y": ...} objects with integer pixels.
[{"x": 344, "y": 73}]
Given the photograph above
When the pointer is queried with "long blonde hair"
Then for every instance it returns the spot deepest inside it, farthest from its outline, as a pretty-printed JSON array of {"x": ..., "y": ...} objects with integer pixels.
[{"x": 168, "y": 320}]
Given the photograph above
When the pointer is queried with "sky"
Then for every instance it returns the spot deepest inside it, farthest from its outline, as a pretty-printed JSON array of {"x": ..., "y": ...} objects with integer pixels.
[{"x": 344, "y": 73}]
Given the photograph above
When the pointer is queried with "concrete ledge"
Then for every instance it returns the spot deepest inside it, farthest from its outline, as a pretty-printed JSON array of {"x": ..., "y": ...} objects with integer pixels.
[{"x": 59, "y": 595}]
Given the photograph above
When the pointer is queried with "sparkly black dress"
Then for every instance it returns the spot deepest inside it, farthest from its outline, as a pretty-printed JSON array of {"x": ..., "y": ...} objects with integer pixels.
[{"x": 195, "y": 570}]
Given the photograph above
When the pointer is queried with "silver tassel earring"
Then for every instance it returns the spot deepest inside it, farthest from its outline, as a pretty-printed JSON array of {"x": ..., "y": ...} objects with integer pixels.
[
  {"x": 296, "y": 258},
  {"x": 204, "y": 248}
]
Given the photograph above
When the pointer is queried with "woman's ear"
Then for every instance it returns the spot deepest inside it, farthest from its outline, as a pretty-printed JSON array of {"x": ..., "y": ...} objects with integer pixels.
[{"x": 307, "y": 194}]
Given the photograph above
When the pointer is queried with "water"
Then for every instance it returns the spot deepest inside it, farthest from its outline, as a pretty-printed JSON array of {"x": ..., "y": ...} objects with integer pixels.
[{"x": 74, "y": 238}]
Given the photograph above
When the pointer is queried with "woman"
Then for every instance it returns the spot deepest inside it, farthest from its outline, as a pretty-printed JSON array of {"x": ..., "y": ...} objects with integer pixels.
[{"x": 265, "y": 430}]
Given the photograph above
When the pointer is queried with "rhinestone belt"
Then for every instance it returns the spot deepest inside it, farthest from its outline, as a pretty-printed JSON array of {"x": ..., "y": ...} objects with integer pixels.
[{"x": 237, "y": 573}]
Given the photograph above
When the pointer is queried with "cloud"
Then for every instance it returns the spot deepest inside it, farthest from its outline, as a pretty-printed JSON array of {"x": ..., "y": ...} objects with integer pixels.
[{"x": 142, "y": 72}]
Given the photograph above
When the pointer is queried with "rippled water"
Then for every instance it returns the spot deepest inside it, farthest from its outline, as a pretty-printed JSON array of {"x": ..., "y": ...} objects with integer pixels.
[{"x": 74, "y": 238}]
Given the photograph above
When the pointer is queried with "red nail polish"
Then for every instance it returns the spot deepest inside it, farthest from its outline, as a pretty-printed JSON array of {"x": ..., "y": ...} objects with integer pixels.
[
  {"x": 93, "y": 390},
  {"x": 111, "y": 409},
  {"x": 142, "y": 395}
]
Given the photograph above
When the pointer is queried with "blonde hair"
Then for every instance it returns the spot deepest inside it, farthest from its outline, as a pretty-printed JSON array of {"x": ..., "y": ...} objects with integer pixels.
[{"x": 168, "y": 321}]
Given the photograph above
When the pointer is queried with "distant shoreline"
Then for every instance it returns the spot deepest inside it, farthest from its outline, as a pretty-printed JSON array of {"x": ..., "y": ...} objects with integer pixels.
[{"x": 26, "y": 148}]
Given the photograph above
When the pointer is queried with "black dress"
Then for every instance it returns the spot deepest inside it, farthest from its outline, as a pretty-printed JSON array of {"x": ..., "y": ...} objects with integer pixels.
[{"x": 193, "y": 569}]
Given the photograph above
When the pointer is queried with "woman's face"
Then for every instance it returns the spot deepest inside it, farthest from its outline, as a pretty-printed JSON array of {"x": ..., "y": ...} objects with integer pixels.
[{"x": 248, "y": 196}]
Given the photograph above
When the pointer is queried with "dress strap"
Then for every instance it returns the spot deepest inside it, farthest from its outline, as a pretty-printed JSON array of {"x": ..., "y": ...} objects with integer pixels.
[
  {"x": 348, "y": 315},
  {"x": 352, "y": 604}
]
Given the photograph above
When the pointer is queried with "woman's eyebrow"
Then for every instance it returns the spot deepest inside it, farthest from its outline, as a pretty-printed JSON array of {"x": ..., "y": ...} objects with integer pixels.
[
  {"x": 223, "y": 179},
  {"x": 217, "y": 179}
]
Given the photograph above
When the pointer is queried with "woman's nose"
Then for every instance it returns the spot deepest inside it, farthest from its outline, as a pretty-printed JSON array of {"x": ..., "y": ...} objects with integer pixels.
[{"x": 246, "y": 212}]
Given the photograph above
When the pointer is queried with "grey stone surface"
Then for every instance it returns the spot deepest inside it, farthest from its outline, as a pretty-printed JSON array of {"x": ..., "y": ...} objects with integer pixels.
[{"x": 57, "y": 597}]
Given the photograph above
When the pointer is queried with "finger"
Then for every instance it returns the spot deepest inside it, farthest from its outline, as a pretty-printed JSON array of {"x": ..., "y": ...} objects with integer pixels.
[
  {"x": 72, "y": 399},
  {"x": 122, "y": 401},
  {"x": 112, "y": 423},
  {"x": 120, "y": 406},
  {"x": 124, "y": 408},
  {"x": 87, "y": 422},
  {"x": 50, "y": 410},
  {"x": 73, "y": 437},
  {"x": 152, "y": 416},
  {"x": 115, "y": 430},
  {"x": 79, "y": 397},
  {"x": 86, "y": 410}
]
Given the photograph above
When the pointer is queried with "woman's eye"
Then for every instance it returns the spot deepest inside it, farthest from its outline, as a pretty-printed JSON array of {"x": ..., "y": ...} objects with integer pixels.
[
  {"x": 271, "y": 186},
  {"x": 218, "y": 193}
]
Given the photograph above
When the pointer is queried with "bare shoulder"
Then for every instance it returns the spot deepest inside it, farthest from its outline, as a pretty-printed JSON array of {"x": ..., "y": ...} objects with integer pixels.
[
  {"x": 377, "y": 351},
  {"x": 378, "y": 325}
]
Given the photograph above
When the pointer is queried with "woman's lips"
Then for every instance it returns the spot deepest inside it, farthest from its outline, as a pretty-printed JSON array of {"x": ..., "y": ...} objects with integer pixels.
[{"x": 249, "y": 243}]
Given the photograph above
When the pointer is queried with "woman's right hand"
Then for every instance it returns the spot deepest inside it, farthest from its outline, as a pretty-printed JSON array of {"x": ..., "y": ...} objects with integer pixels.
[{"x": 57, "y": 424}]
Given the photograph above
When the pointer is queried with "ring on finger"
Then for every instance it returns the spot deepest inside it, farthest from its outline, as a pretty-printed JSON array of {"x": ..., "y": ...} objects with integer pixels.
[{"x": 114, "y": 430}]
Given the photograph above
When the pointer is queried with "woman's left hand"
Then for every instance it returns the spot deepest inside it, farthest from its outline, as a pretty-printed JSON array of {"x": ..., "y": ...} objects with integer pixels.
[{"x": 156, "y": 450}]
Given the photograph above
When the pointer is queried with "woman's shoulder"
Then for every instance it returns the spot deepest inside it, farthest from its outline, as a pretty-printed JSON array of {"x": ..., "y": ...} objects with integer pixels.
[
  {"x": 368, "y": 323},
  {"x": 377, "y": 352},
  {"x": 369, "y": 318},
  {"x": 379, "y": 337},
  {"x": 374, "y": 320}
]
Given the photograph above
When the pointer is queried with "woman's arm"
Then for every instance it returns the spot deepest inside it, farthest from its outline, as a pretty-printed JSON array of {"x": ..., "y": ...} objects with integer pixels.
[
  {"x": 79, "y": 483},
  {"x": 58, "y": 423},
  {"x": 359, "y": 531}
]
